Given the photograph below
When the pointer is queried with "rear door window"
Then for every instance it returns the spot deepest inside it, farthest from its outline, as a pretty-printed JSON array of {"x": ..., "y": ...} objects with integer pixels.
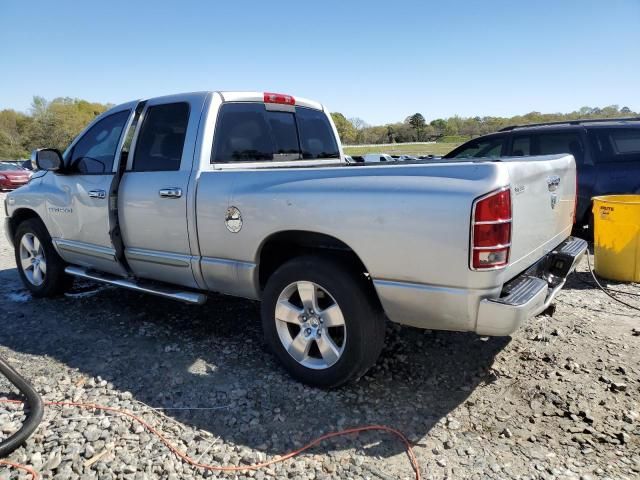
[
  {"x": 161, "y": 139},
  {"x": 569, "y": 142},
  {"x": 248, "y": 132},
  {"x": 521, "y": 146},
  {"x": 625, "y": 140},
  {"x": 616, "y": 144}
]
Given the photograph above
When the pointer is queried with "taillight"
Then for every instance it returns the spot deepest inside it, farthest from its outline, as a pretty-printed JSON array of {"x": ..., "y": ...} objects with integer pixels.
[
  {"x": 491, "y": 230},
  {"x": 279, "y": 98}
]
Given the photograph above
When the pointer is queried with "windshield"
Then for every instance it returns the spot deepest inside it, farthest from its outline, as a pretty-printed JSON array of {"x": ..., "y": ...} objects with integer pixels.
[{"x": 479, "y": 148}]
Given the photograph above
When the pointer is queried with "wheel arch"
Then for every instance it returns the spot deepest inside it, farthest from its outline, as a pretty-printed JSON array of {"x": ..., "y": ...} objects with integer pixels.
[
  {"x": 19, "y": 216},
  {"x": 283, "y": 246}
]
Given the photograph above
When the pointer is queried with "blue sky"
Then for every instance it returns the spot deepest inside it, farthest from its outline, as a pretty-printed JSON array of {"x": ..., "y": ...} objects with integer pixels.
[{"x": 378, "y": 61}]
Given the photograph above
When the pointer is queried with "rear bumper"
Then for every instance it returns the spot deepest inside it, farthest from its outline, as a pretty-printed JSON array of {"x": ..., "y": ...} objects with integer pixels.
[{"x": 531, "y": 292}]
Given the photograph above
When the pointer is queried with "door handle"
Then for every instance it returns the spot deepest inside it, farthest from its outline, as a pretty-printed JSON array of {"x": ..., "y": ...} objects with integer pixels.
[
  {"x": 173, "y": 192},
  {"x": 97, "y": 194}
]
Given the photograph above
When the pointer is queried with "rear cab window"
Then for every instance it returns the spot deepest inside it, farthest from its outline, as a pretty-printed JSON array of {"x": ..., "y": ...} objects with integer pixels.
[{"x": 249, "y": 132}]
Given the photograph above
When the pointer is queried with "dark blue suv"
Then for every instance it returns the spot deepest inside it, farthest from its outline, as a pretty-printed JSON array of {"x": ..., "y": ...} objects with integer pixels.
[{"x": 607, "y": 153}]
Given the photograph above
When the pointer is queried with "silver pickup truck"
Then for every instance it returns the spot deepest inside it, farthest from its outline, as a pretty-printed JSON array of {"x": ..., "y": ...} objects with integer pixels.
[{"x": 248, "y": 194}]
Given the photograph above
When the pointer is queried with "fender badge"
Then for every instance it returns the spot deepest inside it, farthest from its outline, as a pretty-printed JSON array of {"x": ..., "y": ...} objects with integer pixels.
[{"x": 233, "y": 220}]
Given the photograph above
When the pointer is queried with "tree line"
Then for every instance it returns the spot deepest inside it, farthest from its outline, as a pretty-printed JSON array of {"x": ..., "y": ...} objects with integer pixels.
[
  {"x": 415, "y": 128},
  {"x": 51, "y": 124},
  {"x": 55, "y": 124}
]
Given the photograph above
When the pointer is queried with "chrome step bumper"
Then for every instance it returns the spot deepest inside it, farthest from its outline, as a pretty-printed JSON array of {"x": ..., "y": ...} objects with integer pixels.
[
  {"x": 531, "y": 292},
  {"x": 165, "y": 291}
]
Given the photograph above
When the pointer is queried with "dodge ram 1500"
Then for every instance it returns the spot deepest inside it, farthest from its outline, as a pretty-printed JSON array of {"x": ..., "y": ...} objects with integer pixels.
[{"x": 248, "y": 194}]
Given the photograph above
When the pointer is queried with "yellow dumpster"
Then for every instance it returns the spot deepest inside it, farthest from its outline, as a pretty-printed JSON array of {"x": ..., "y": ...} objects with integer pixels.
[{"x": 616, "y": 237}]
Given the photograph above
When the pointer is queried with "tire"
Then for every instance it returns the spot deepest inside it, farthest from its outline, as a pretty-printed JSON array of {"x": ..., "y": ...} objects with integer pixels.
[
  {"x": 322, "y": 355},
  {"x": 44, "y": 275}
]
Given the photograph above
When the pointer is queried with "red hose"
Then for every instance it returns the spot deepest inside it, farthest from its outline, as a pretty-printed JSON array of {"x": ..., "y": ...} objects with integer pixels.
[{"x": 186, "y": 458}]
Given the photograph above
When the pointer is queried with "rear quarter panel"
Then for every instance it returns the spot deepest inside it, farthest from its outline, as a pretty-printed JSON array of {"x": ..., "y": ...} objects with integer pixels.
[
  {"x": 409, "y": 224},
  {"x": 405, "y": 222}
]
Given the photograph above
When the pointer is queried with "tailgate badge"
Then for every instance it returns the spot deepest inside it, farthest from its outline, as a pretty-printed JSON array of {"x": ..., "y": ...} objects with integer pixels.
[
  {"x": 553, "y": 182},
  {"x": 554, "y": 200}
]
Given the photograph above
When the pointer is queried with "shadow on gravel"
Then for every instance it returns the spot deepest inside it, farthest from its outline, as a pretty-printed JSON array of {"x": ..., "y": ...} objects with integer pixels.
[
  {"x": 580, "y": 281},
  {"x": 172, "y": 355}
]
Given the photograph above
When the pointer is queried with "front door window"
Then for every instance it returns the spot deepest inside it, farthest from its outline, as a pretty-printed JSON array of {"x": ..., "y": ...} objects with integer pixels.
[{"x": 95, "y": 151}]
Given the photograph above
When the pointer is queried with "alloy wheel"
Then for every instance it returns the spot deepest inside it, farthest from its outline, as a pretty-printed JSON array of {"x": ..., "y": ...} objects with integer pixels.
[
  {"x": 32, "y": 259},
  {"x": 310, "y": 325}
]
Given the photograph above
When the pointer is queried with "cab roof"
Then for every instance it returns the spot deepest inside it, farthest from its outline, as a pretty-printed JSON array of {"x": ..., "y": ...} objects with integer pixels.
[
  {"x": 231, "y": 96},
  {"x": 573, "y": 123}
]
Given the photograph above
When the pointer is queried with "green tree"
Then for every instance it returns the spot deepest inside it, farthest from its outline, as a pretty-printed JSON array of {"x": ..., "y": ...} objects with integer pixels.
[
  {"x": 439, "y": 126},
  {"x": 12, "y": 134},
  {"x": 418, "y": 123},
  {"x": 55, "y": 124},
  {"x": 346, "y": 130},
  {"x": 360, "y": 126},
  {"x": 391, "y": 134}
]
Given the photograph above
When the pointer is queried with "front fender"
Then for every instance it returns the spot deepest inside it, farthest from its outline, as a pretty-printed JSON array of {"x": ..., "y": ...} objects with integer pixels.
[
  {"x": 18, "y": 216},
  {"x": 8, "y": 230}
]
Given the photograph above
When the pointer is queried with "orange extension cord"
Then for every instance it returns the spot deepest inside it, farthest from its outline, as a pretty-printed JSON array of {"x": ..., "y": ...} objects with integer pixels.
[{"x": 90, "y": 406}]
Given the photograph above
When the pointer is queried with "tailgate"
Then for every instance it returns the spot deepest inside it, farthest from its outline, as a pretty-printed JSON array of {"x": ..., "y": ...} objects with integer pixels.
[{"x": 543, "y": 201}]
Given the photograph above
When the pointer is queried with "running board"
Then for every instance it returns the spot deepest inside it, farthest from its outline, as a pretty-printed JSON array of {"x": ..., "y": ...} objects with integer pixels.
[{"x": 152, "y": 288}]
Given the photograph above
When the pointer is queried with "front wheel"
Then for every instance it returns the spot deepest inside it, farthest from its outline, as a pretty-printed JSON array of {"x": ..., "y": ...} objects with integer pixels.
[
  {"x": 40, "y": 267},
  {"x": 321, "y": 322}
]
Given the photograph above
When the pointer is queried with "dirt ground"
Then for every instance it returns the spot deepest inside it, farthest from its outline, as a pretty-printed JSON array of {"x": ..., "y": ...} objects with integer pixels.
[{"x": 558, "y": 400}]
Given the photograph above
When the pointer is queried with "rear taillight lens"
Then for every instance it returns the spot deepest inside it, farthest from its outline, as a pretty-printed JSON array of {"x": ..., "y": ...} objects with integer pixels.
[
  {"x": 493, "y": 208},
  {"x": 490, "y": 235},
  {"x": 491, "y": 231}
]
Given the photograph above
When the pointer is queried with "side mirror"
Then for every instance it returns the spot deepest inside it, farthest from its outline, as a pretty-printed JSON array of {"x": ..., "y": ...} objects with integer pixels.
[{"x": 47, "y": 159}]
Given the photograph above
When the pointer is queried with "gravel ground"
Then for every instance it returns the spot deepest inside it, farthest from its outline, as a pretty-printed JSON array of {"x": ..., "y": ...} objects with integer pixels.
[{"x": 557, "y": 400}]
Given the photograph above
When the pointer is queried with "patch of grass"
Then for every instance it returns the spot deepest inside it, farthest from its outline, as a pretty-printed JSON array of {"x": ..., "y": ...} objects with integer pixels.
[
  {"x": 405, "y": 149},
  {"x": 454, "y": 139}
]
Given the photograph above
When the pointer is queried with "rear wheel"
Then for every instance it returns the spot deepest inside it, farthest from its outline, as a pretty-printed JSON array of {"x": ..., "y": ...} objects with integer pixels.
[
  {"x": 40, "y": 267},
  {"x": 321, "y": 322}
]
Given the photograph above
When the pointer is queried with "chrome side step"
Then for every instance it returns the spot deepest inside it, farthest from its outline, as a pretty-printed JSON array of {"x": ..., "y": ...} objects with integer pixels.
[{"x": 152, "y": 288}]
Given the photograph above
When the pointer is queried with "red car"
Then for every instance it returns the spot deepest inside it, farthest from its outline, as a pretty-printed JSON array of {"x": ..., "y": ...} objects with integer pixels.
[{"x": 12, "y": 176}]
